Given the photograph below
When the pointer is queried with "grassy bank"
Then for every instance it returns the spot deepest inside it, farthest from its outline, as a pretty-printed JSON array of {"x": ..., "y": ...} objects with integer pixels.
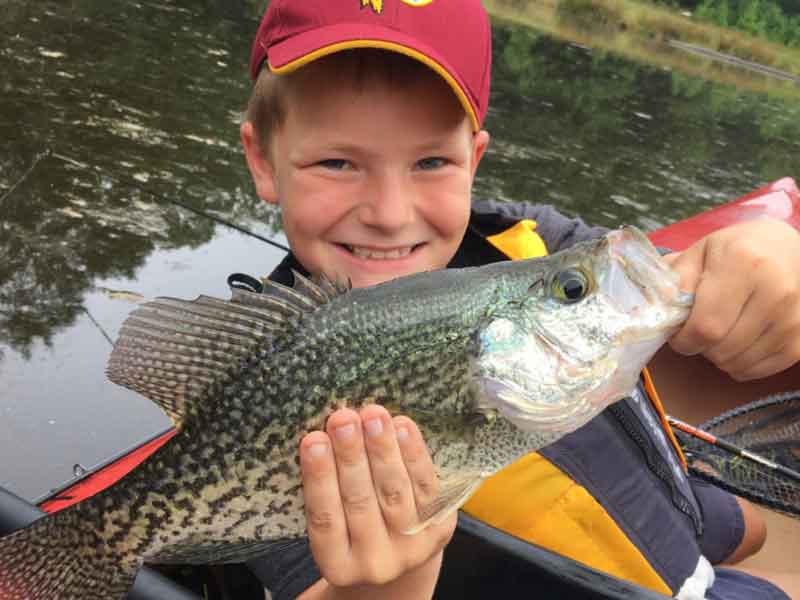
[{"x": 642, "y": 32}]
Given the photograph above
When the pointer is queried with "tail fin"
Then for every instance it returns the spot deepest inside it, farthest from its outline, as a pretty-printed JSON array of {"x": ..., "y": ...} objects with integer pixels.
[{"x": 57, "y": 558}]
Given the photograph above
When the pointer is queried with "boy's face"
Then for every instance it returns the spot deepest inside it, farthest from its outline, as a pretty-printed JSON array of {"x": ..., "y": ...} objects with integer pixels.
[{"x": 373, "y": 179}]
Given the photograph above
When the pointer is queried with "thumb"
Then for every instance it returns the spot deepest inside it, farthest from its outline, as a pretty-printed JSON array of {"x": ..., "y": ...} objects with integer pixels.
[{"x": 689, "y": 266}]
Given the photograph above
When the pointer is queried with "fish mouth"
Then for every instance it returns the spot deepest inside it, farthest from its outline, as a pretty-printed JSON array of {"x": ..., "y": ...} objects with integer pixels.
[
  {"x": 638, "y": 286},
  {"x": 557, "y": 369},
  {"x": 639, "y": 280}
]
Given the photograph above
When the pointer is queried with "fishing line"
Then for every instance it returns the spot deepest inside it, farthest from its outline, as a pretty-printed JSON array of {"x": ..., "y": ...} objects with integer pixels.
[
  {"x": 27, "y": 173},
  {"x": 733, "y": 449},
  {"x": 136, "y": 185},
  {"x": 99, "y": 327},
  {"x": 131, "y": 183}
]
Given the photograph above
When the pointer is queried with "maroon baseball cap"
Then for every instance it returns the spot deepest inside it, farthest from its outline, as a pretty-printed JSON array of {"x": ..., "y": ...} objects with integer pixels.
[{"x": 452, "y": 37}]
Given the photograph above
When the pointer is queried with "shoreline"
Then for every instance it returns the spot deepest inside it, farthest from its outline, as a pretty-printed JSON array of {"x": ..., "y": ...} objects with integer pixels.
[{"x": 662, "y": 37}]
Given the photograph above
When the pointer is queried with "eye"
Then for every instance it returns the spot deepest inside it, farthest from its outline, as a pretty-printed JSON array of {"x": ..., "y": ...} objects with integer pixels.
[
  {"x": 571, "y": 285},
  {"x": 431, "y": 163},
  {"x": 336, "y": 164}
]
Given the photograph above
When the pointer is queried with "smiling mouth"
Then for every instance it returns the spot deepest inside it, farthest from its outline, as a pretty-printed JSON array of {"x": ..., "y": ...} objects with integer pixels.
[{"x": 376, "y": 254}]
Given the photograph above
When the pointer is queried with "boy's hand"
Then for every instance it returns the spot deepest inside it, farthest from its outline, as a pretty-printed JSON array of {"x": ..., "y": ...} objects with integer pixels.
[
  {"x": 362, "y": 481},
  {"x": 746, "y": 281}
]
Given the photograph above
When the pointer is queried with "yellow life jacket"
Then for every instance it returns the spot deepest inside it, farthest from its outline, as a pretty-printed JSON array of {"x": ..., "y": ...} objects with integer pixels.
[{"x": 535, "y": 500}]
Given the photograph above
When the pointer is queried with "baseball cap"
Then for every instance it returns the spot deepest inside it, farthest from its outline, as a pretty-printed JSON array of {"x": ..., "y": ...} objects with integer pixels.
[{"x": 452, "y": 37}]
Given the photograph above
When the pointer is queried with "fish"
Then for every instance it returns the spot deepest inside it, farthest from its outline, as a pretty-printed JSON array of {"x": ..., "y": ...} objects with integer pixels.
[{"x": 492, "y": 362}]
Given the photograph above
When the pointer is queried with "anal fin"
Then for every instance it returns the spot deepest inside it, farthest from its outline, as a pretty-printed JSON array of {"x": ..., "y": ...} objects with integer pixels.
[{"x": 454, "y": 491}]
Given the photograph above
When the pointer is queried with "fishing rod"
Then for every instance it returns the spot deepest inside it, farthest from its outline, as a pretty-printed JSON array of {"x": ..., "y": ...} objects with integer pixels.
[
  {"x": 25, "y": 175},
  {"x": 48, "y": 152},
  {"x": 137, "y": 185},
  {"x": 733, "y": 449}
]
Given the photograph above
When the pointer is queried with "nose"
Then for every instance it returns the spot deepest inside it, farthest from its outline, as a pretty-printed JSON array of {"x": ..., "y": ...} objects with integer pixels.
[{"x": 388, "y": 202}]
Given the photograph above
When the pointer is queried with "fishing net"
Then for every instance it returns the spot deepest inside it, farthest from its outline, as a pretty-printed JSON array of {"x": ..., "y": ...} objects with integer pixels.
[{"x": 769, "y": 428}]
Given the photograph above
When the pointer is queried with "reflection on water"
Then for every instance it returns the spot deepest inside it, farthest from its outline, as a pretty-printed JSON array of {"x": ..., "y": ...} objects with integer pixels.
[
  {"x": 618, "y": 141},
  {"x": 150, "y": 94},
  {"x": 56, "y": 406}
]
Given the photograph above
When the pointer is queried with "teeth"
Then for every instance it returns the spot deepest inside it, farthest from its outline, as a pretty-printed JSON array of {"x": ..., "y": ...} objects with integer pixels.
[{"x": 380, "y": 254}]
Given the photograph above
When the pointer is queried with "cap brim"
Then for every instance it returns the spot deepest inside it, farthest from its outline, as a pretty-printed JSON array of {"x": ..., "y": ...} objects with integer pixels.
[{"x": 304, "y": 48}]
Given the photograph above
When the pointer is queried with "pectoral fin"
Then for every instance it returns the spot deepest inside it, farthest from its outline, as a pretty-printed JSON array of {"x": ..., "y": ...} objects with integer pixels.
[{"x": 453, "y": 493}]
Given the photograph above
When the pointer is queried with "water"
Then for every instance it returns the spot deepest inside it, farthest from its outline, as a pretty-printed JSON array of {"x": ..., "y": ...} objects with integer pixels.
[{"x": 139, "y": 105}]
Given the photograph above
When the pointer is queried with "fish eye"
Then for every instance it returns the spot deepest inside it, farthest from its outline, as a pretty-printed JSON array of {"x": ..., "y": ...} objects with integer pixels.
[{"x": 571, "y": 285}]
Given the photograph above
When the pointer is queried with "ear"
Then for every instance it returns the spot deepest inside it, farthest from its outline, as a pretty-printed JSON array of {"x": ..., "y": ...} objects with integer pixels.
[
  {"x": 480, "y": 141},
  {"x": 260, "y": 167}
]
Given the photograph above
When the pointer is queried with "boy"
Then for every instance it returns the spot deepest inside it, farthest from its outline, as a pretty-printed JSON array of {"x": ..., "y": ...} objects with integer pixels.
[{"x": 365, "y": 126}]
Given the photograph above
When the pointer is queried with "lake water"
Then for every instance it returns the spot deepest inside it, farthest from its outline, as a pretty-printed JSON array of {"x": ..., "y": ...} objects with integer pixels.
[{"x": 114, "y": 114}]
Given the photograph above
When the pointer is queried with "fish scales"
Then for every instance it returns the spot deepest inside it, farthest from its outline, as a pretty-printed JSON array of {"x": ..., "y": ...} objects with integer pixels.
[
  {"x": 491, "y": 362},
  {"x": 369, "y": 372},
  {"x": 357, "y": 372}
]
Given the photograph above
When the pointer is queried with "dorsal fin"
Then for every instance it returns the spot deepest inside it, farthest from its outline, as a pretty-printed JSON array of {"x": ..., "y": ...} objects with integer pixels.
[
  {"x": 172, "y": 351},
  {"x": 310, "y": 288},
  {"x": 334, "y": 287}
]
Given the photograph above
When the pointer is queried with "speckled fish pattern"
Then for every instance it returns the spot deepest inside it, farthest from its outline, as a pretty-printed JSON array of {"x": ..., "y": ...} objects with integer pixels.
[{"x": 245, "y": 379}]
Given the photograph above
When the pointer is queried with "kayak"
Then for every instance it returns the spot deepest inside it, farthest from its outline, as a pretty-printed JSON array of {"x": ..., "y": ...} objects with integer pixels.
[{"x": 517, "y": 564}]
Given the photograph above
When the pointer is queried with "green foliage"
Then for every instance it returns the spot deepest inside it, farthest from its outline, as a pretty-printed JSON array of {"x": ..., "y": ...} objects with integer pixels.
[
  {"x": 768, "y": 19},
  {"x": 716, "y": 11}
]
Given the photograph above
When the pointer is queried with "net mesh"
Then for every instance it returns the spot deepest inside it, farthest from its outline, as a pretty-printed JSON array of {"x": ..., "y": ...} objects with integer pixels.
[{"x": 768, "y": 427}]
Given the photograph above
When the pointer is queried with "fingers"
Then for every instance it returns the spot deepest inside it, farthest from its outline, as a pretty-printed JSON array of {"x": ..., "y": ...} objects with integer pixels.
[
  {"x": 417, "y": 460},
  {"x": 392, "y": 486},
  {"x": 344, "y": 518},
  {"x": 772, "y": 364},
  {"x": 765, "y": 340},
  {"x": 360, "y": 506},
  {"x": 362, "y": 480},
  {"x": 327, "y": 528},
  {"x": 746, "y": 283},
  {"x": 703, "y": 273}
]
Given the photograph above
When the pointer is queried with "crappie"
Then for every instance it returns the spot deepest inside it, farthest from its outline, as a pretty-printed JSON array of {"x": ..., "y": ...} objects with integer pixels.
[{"x": 492, "y": 362}]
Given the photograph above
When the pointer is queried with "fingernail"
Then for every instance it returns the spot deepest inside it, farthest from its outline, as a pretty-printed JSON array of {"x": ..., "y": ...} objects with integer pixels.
[
  {"x": 374, "y": 427},
  {"x": 345, "y": 432},
  {"x": 317, "y": 450},
  {"x": 402, "y": 434}
]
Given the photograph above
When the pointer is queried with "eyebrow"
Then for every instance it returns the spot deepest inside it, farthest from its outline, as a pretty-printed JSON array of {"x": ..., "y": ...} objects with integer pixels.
[
  {"x": 434, "y": 145},
  {"x": 346, "y": 149}
]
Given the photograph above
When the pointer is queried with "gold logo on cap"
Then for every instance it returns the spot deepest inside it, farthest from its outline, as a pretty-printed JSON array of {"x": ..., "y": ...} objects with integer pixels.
[{"x": 377, "y": 5}]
